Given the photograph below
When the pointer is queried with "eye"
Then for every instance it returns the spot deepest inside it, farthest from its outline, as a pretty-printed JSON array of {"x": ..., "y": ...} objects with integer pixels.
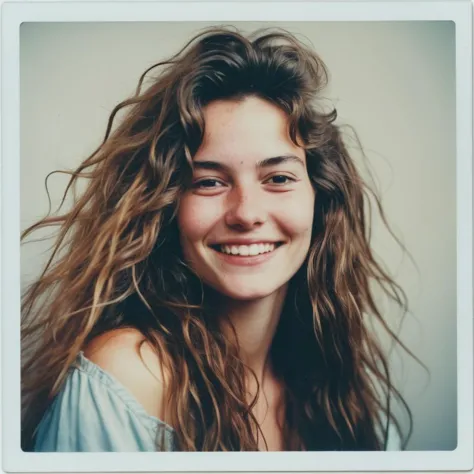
[
  {"x": 280, "y": 179},
  {"x": 207, "y": 183}
]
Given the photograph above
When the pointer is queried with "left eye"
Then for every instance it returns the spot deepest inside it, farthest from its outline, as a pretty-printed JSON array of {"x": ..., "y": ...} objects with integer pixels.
[
  {"x": 280, "y": 179},
  {"x": 208, "y": 183}
]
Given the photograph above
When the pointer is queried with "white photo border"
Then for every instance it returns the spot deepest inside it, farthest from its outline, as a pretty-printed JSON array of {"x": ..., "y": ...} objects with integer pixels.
[{"x": 13, "y": 15}]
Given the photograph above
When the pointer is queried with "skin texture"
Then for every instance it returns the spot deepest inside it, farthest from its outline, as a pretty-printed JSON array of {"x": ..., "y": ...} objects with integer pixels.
[{"x": 246, "y": 201}]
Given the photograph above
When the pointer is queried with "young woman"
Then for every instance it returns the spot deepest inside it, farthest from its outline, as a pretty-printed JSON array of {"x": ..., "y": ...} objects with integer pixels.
[{"x": 212, "y": 287}]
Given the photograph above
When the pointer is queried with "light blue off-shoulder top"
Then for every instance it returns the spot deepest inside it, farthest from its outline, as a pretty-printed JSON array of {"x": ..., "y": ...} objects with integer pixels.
[{"x": 94, "y": 412}]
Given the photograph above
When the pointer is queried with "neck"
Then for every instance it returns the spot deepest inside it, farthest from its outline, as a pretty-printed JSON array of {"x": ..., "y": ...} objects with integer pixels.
[{"x": 255, "y": 323}]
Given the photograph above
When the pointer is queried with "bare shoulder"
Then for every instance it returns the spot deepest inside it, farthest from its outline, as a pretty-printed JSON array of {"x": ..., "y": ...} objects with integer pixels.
[{"x": 132, "y": 360}]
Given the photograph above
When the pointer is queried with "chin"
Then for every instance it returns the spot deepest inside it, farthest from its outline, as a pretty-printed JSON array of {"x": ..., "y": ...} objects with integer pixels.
[{"x": 247, "y": 292}]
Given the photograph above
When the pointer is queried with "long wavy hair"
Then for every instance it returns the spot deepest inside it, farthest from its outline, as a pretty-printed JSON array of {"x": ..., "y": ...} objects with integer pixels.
[{"x": 117, "y": 262}]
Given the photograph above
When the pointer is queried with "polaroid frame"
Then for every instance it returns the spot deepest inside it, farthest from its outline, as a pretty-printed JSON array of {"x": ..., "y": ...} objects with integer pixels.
[{"x": 14, "y": 459}]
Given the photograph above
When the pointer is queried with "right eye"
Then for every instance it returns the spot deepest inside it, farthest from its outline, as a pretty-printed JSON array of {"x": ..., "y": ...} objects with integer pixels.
[{"x": 208, "y": 183}]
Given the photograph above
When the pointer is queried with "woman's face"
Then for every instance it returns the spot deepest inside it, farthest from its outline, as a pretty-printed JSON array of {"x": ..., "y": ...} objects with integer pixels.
[{"x": 245, "y": 223}]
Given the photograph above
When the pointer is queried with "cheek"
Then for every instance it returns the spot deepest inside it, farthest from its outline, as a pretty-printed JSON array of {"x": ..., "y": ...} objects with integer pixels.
[
  {"x": 196, "y": 219},
  {"x": 299, "y": 224},
  {"x": 296, "y": 217}
]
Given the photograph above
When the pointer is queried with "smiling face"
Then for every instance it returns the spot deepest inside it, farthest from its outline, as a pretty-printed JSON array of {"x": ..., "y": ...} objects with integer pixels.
[{"x": 245, "y": 223}]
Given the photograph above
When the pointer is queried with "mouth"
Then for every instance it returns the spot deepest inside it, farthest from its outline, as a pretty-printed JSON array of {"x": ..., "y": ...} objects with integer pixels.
[{"x": 250, "y": 250}]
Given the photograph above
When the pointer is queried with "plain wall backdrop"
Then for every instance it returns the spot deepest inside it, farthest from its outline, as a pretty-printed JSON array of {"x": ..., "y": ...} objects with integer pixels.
[{"x": 394, "y": 82}]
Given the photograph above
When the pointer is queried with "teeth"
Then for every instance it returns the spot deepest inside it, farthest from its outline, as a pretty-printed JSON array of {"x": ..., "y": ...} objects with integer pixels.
[
  {"x": 254, "y": 249},
  {"x": 247, "y": 250},
  {"x": 244, "y": 249}
]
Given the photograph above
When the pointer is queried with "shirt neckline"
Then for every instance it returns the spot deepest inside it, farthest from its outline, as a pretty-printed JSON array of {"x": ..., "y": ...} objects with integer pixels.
[{"x": 86, "y": 365}]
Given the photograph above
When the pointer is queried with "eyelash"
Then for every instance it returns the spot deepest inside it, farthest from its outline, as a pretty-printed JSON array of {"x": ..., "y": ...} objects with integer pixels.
[
  {"x": 289, "y": 178},
  {"x": 200, "y": 184}
]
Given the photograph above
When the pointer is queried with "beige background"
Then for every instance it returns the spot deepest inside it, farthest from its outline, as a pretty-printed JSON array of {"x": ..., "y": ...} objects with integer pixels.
[{"x": 394, "y": 82}]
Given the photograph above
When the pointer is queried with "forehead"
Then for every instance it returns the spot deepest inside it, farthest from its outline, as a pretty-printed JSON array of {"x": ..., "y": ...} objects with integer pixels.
[{"x": 250, "y": 128}]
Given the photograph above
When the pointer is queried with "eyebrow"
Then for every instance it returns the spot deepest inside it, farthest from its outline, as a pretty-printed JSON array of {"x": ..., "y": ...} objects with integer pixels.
[{"x": 265, "y": 163}]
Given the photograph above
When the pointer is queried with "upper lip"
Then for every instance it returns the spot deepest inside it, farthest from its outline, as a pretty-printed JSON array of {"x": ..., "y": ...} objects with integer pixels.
[{"x": 246, "y": 242}]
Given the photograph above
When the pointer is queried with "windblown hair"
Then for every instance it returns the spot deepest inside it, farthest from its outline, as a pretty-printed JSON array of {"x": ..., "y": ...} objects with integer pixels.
[{"x": 117, "y": 262}]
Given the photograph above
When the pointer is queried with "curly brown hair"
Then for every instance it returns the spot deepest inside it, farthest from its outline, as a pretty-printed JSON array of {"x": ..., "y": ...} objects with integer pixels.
[{"x": 117, "y": 262}]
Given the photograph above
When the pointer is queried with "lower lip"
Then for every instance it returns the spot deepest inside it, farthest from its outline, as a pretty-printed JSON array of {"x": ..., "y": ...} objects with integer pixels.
[{"x": 248, "y": 260}]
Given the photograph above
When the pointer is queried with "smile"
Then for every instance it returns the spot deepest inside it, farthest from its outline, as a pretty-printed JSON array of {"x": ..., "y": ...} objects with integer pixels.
[
  {"x": 246, "y": 254},
  {"x": 247, "y": 250}
]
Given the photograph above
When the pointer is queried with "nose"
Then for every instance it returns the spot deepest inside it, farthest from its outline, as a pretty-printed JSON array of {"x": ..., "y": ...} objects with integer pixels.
[{"x": 245, "y": 209}]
